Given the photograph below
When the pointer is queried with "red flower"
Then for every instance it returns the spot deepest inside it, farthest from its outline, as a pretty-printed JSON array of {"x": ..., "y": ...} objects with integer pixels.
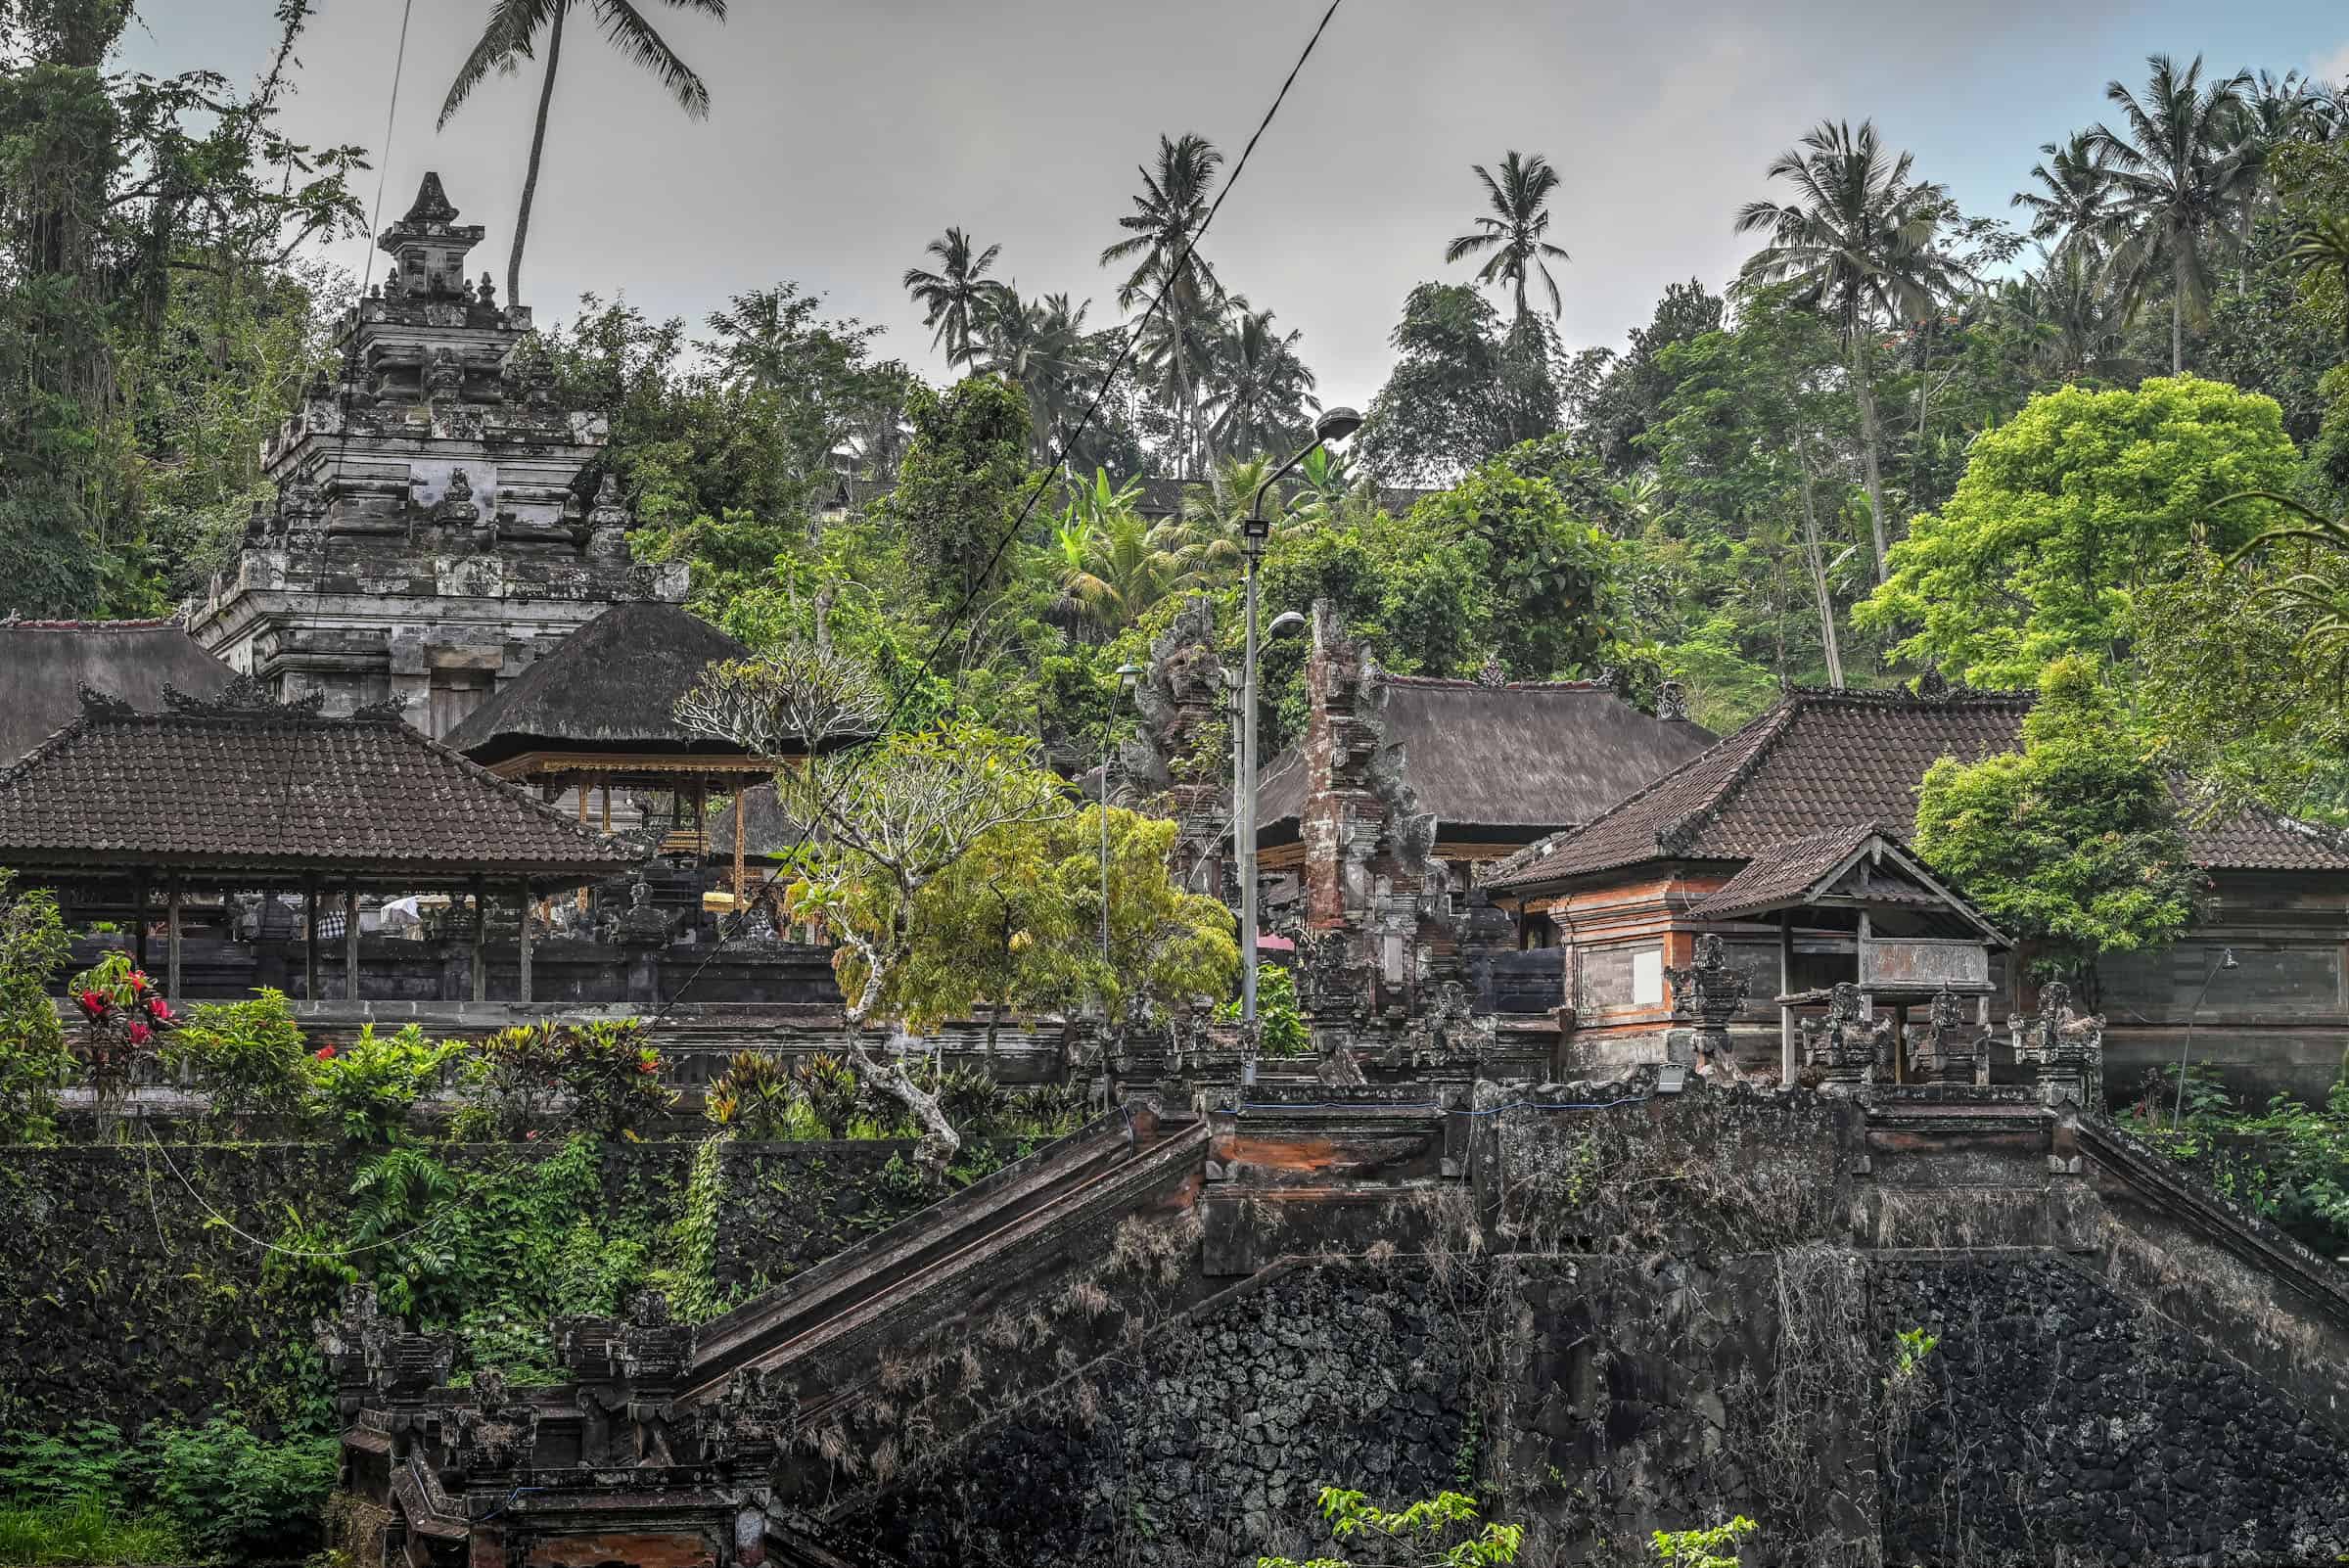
[
  {"x": 531, "y": 1137},
  {"x": 324, "y": 1053},
  {"x": 139, "y": 1033},
  {"x": 92, "y": 1003},
  {"x": 649, "y": 1065},
  {"x": 158, "y": 1009},
  {"x": 138, "y": 981}
]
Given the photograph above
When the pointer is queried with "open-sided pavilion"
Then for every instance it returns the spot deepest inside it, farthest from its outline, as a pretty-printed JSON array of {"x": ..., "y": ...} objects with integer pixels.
[{"x": 239, "y": 794}]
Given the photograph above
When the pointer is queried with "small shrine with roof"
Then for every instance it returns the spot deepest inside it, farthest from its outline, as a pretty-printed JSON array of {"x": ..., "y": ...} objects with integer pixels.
[{"x": 441, "y": 523}]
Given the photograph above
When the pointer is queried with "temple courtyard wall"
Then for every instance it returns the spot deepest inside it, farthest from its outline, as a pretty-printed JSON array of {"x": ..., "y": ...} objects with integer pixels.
[{"x": 1600, "y": 1309}]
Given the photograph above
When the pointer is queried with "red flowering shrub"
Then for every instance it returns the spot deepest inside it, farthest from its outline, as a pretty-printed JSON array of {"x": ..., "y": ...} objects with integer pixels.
[
  {"x": 600, "y": 1075},
  {"x": 120, "y": 1014}
]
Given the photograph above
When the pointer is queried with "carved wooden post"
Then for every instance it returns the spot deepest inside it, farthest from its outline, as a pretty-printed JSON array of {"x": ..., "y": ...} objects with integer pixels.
[
  {"x": 138, "y": 920},
  {"x": 481, "y": 941},
  {"x": 1790, "y": 1059},
  {"x": 521, "y": 904},
  {"x": 741, "y": 809},
  {"x": 582, "y": 787},
  {"x": 350, "y": 942},
  {"x": 309, "y": 938},
  {"x": 171, "y": 937}
]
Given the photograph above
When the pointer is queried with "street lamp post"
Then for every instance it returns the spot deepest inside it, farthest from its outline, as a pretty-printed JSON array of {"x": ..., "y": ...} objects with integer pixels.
[
  {"x": 1128, "y": 675},
  {"x": 1334, "y": 424},
  {"x": 2227, "y": 960}
]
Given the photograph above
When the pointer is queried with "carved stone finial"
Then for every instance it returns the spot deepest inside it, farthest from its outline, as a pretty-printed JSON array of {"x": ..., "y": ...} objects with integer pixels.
[
  {"x": 1845, "y": 1047},
  {"x": 1672, "y": 701},
  {"x": 432, "y": 203},
  {"x": 1492, "y": 672},
  {"x": 487, "y": 293}
]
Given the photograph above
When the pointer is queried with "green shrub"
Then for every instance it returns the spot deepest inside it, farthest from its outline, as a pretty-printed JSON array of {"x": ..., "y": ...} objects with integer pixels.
[
  {"x": 511, "y": 1081},
  {"x": 248, "y": 1056},
  {"x": 611, "y": 1077},
  {"x": 86, "y": 1530},
  {"x": 832, "y": 1092},
  {"x": 1280, "y": 1029},
  {"x": 755, "y": 1096},
  {"x": 236, "y": 1497},
  {"x": 33, "y": 1060},
  {"x": 367, "y": 1088}
]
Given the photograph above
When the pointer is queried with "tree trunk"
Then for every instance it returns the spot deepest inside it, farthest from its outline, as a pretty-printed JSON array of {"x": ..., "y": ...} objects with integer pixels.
[
  {"x": 530, "y": 178},
  {"x": 1817, "y": 559},
  {"x": 2177, "y": 308},
  {"x": 1870, "y": 436}
]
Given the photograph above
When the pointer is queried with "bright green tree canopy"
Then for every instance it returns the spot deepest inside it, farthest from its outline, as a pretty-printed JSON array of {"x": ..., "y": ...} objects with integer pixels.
[{"x": 2065, "y": 513}]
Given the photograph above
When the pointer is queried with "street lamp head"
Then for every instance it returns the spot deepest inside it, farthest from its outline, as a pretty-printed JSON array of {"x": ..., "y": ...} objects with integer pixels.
[
  {"x": 1255, "y": 532},
  {"x": 1336, "y": 424},
  {"x": 1286, "y": 620},
  {"x": 1129, "y": 677}
]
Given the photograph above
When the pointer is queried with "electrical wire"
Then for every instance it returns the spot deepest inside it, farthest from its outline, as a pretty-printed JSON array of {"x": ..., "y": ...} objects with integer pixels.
[
  {"x": 230, "y": 1226},
  {"x": 1045, "y": 475}
]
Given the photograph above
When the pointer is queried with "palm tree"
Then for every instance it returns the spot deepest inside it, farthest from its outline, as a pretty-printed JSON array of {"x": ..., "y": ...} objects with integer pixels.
[
  {"x": 1042, "y": 349},
  {"x": 959, "y": 299},
  {"x": 1514, "y": 231},
  {"x": 2324, "y": 246},
  {"x": 1259, "y": 388},
  {"x": 2074, "y": 192},
  {"x": 1113, "y": 566},
  {"x": 2175, "y": 178},
  {"x": 2066, "y": 316},
  {"x": 510, "y": 37},
  {"x": 1162, "y": 227},
  {"x": 1328, "y": 494},
  {"x": 1214, "y": 510},
  {"x": 1858, "y": 245}
]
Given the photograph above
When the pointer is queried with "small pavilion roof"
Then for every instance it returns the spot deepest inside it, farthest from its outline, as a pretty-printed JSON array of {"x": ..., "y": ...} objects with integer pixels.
[
  {"x": 45, "y": 663},
  {"x": 1522, "y": 758},
  {"x": 606, "y": 699},
  {"x": 238, "y": 786},
  {"x": 1866, "y": 865}
]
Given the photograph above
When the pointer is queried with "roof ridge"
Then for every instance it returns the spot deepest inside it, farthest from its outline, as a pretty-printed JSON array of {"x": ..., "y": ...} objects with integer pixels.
[
  {"x": 1470, "y": 684},
  {"x": 1902, "y": 696},
  {"x": 131, "y": 624}
]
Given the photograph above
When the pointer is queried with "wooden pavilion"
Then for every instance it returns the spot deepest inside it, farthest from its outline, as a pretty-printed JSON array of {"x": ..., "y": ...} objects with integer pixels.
[
  {"x": 601, "y": 711},
  {"x": 241, "y": 793}
]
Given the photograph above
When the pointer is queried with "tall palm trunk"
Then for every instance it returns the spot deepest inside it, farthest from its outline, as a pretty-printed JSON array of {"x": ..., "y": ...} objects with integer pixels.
[
  {"x": 530, "y": 178},
  {"x": 1870, "y": 439},
  {"x": 1817, "y": 559},
  {"x": 2178, "y": 262}
]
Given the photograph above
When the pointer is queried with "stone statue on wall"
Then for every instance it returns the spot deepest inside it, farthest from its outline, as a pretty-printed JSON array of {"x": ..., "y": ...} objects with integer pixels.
[
  {"x": 2064, "y": 1049},
  {"x": 1845, "y": 1047}
]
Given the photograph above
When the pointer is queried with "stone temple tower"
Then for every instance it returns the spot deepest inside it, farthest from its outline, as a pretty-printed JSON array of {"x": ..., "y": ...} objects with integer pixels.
[{"x": 439, "y": 521}]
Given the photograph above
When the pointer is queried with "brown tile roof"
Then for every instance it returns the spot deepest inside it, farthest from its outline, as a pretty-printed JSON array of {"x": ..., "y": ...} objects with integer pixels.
[
  {"x": 239, "y": 784},
  {"x": 45, "y": 663},
  {"x": 1821, "y": 761},
  {"x": 1793, "y": 871},
  {"x": 611, "y": 686},
  {"x": 1530, "y": 755}
]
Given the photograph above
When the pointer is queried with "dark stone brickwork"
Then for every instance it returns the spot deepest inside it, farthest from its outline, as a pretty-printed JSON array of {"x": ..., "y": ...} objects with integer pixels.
[
  {"x": 1212, "y": 1446},
  {"x": 2062, "y": 1425}
]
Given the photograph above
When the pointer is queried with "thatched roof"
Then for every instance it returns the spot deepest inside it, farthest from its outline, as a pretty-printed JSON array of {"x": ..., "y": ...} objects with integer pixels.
[
  {"x": 45, "y": 663},
  {"x": 237, "y": 784},
  {"x": 609, "y": 687},
  {"x": 1517, "y": 760}
]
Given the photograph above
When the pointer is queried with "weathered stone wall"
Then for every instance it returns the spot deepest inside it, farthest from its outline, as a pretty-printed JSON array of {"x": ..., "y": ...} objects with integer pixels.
[
  {"x": 124, "y": 1296},
  {"x": 1211, "y": 1445},
  {"x": 2056, "y": 1421}
]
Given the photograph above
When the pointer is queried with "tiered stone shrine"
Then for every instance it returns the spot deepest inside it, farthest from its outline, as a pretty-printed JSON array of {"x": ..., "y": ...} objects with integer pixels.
[{"x": 439, "y": 521}]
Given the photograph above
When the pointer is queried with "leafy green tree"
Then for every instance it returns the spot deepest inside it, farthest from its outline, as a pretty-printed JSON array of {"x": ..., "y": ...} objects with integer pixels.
[
  {"x": 1545, "y": 575},
  {"x": 1462, "y": 390},
  {"x": 2068, "y": 510},
  {"x": 2175, "y": 180},
  {"x": 959, "y": 300},
  {"x": 1858, "y": 244},
  {"x": 1160, "y": 229},
  {"x": 513, "y": 33},
  {"x": 1514, "y": 232},
  {"x": 960, "y": 485},
  {"x": 2071, "y": 844},
  {"x": 33, "y": 1059},
  {"x": 1613, "y": 400}
]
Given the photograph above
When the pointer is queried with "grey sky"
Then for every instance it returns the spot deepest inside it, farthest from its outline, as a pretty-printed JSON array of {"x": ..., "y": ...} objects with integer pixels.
[{"x": 847, "y": 134}]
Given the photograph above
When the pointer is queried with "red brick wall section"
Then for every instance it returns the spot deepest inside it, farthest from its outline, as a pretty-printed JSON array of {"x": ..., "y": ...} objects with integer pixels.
[{"x": 649, "y": 1550}]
